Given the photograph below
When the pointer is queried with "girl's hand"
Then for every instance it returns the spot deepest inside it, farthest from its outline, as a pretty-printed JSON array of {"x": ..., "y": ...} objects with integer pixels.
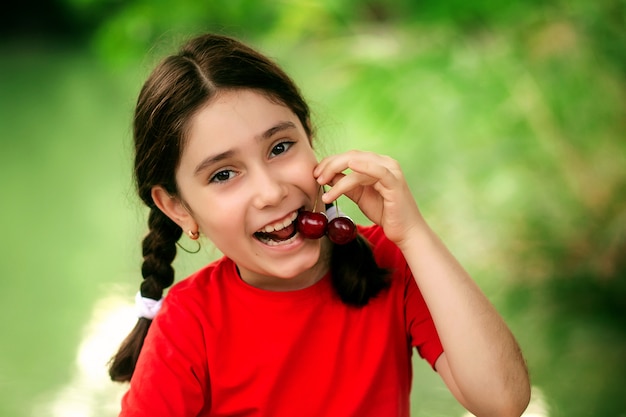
[
  {"x": 482, "y": 363},
  {"x": 377, "y": 185}
]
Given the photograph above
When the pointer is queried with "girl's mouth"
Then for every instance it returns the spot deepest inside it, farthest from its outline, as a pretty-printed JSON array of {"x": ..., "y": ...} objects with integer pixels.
[{"x": 278, "y": 233}]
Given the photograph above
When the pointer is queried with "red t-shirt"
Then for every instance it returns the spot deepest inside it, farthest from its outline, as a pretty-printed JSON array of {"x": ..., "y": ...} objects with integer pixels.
[{"x": 220, "y": 347}]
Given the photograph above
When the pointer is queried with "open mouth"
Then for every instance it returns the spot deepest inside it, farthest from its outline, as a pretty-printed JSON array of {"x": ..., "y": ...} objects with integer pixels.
[{"x": 278, "y": 233}]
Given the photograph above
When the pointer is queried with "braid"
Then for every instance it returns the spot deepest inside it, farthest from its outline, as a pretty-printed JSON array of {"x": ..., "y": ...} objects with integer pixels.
[
  {"x": 180, "y": 85},
  {"x": 159, "y": 250},
  {"x": 356, "y": 276}
]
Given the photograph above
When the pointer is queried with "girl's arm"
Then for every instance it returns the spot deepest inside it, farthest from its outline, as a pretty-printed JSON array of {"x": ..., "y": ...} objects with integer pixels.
[{"x": 482, "y": 364}]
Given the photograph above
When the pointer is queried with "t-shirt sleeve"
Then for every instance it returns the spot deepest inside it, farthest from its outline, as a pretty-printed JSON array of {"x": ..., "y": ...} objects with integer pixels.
[
  {"x": 419, "y": 322},
  {"x": 170, "y": 378}
]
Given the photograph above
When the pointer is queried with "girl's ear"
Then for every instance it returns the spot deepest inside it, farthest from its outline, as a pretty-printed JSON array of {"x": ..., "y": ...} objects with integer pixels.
[{"x": 173, "y": 208}]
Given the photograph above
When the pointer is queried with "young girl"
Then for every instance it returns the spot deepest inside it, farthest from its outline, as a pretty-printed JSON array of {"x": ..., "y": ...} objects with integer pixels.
[{"x": 289, "y": 322}]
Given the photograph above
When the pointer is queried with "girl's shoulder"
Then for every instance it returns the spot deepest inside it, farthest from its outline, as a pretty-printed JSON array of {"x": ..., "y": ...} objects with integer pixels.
[{"x": 201, "y": 281}]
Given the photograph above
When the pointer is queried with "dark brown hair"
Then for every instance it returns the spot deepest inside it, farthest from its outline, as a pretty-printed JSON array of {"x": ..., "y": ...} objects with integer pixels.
[{"x": 177, "y": 88}]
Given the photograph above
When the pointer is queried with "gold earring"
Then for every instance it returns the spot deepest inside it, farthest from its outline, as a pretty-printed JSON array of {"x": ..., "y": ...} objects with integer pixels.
[{"x": 193, "y": 235}]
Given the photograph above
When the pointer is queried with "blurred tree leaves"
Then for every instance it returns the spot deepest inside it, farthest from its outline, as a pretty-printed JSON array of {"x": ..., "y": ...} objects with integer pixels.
[
  {"x": 125, "y": 28},
  {"x": 510, "y": 120}
]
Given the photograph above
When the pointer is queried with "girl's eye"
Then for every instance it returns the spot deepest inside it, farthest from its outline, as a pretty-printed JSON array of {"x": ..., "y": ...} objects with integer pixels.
[
  {"x": 222, "y": 176},
  {"x": 280, "y": 148}
]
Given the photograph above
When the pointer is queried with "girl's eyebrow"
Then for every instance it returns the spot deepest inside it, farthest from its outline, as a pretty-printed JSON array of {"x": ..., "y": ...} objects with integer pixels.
[
  {"x": 278, "y": 128},
  {"x": 207, "y": 162},
  {"x": 269, "y": 133}
]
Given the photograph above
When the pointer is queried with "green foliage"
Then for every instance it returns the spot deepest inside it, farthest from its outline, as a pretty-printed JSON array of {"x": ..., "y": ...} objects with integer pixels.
[
  {"x": 65, "y": 181},
  {"x": 512, "y": 140},
  {"x": 124, "y": 30},
  {"x": 508, "y": 119}
]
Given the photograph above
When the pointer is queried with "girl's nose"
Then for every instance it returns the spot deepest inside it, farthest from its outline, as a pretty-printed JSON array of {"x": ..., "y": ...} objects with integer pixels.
[{"x": 268, "y": 189}]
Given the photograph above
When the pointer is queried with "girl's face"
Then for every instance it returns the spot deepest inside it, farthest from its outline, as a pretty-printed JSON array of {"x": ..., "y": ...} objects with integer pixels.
[{"x": 246, "y": 170}]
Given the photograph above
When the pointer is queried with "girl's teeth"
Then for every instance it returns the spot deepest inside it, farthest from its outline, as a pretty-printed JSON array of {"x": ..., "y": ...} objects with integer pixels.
[
  {"x": 279, "y": 226},
  {"x": 270, "y": 242}
]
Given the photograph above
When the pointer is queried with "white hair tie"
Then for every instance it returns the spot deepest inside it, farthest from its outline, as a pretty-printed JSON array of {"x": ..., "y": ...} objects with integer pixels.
[
  {"x": 147, "y": 307},
  {"x": 333, "y": 212}
]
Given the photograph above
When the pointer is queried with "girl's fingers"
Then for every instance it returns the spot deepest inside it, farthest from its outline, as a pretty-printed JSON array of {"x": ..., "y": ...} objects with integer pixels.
[
  {"x": 385, "y": 170},
  {"x": 376, "y": 184},
  {"x": 347, "y": 184},
  {"x": 368, "y": 169},
  {"x": 365, "y": 162},
  {"x": 332, "y": 165}
]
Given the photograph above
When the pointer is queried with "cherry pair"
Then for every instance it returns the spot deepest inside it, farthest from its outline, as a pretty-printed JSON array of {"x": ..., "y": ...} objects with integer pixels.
[{"x": 314, "y": 225}]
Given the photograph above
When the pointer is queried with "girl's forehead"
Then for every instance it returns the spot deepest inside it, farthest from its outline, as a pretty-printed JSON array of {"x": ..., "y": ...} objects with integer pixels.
[
  {"x": 239, "y": 111},
  {"x": 235, "y": 120}
]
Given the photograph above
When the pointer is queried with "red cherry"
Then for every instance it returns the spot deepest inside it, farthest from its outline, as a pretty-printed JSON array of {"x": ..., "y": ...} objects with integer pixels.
[
  {"x": 312, "y": 225},
  {"x": 341, "y": 230}
]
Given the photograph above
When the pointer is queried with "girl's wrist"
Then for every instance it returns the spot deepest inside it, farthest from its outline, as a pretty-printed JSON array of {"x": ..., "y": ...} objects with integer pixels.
[{"x": 415, "y": 236}]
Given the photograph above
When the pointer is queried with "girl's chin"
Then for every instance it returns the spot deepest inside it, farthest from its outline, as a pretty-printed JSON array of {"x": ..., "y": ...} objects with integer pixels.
[{"x": 301, "y": 256}]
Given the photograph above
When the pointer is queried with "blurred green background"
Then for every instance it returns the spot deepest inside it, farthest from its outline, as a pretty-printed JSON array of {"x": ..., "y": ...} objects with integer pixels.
[{"x": 508, "y": 118}]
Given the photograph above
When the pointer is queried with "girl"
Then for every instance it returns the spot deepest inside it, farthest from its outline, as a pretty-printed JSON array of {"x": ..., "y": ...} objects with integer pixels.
[{"x": 286, "y": 323}]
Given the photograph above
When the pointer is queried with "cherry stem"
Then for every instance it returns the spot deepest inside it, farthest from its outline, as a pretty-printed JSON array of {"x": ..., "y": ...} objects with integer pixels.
[{"x": 317, "y": 197}]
